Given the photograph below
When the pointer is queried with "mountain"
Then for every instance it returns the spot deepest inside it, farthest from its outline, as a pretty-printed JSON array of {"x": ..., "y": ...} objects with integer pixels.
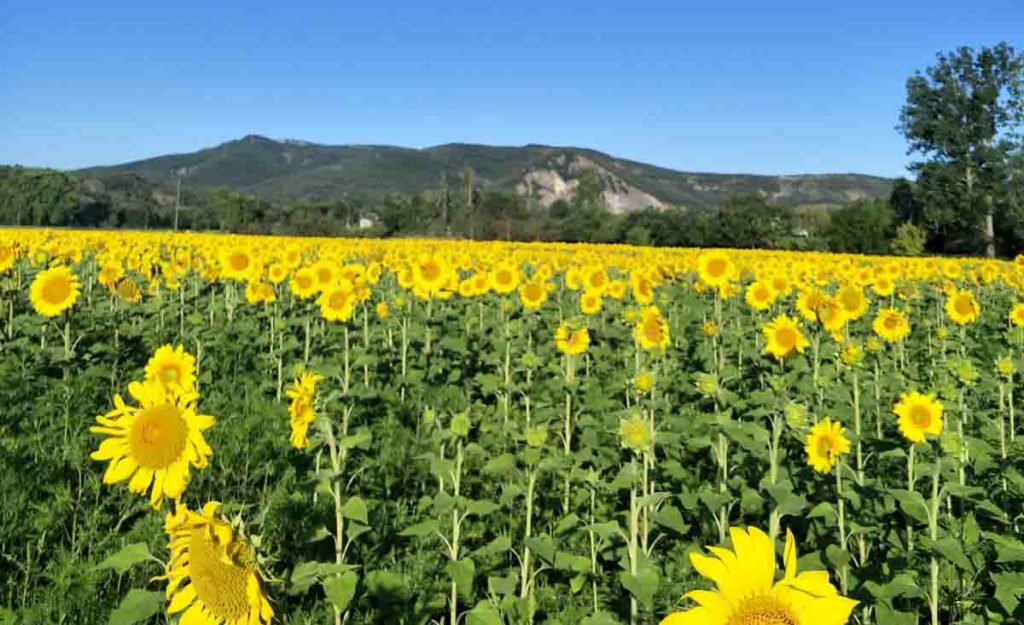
[{"x": 291, "y": 169}]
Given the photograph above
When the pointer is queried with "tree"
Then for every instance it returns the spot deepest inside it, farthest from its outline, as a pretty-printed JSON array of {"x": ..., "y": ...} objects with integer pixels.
[
  {"x": 748, "y": 221},
  {"x": 862, "y": 227},
  {"x": 962, "y": 115}
]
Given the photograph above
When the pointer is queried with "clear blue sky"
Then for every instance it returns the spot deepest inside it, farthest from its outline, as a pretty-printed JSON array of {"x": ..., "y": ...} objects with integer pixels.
[{"x": 730, "y": 86}]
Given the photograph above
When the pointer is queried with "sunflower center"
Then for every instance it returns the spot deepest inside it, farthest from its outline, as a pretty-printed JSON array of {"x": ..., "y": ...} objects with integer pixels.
[
  {"x": 921, "y": 416},
  {"x": 324, "y": 275},
  {"x": 239, "y": 261},
  {"x": 716, "y": 267},
  {"x": 963, "y": 306},
  {"x": 170, "y": 374},
  {"x": 532, "y": 292},
  {"x": 504, "y": 277},
  {"x": 762, "y": 610},
  {"x": 158, "y": 436},
  {"x": 891, "y": 322},
  {"x": 652, "y": 330},
  {"x": 303, "y": 281},
  {"x": 338, "y": 300},
  {"x": 220, "y": 585},
  {"x": 786, "y": 338},
  {"x": 825, "y": 448},
  {"x": 56, "y": 290},
  {"x": 851, "y": 300},
  {"x": 762, "y": 295},
  {"x": 432, "y": 271}
]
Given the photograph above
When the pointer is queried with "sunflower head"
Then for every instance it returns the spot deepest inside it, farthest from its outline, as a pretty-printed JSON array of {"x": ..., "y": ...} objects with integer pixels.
[
  {"x": 570, "y": 340},
  {"x": 213, "y": 575},
  {"x": 824, "y": 444},
  {"x": 962, "y": 307},
  {"x": 636, "y": 434},
  {"x": 301, "y": 410},
  {"x": 154, "y": 442},
  {"x": 172, "y": 367},
  {"x": 53, "y": 291},
  {"x": 784, "y": 337},
  {"x": 1017, "y": 315},
  {"x": 651, "y": 331},
  {"x": 716, "y": 268},
  {"x": 747, "y": 592},
  {"x": 891, "y": 325},
  {"x": 533, "y": 294},
  {"x": 919, "y": 415}
]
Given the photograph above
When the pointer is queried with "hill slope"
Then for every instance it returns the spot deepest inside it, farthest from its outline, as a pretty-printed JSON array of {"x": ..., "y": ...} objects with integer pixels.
[{"x": 290, "y": 169}]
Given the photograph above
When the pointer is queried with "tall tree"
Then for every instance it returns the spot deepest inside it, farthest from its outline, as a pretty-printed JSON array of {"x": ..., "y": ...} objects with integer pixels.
[{"x": 962, "y": 114}]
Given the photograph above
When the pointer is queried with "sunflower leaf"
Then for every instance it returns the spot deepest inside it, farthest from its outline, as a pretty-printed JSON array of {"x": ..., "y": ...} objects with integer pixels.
[
  {"x": 126, "y": 558},
  {"x": 136, "y": 607}
]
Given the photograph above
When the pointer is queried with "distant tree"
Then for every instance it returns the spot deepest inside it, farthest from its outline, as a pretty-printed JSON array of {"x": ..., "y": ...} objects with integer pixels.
[
  {"x": 909, "y": 240},
  {"x": 40, "y": 197},
  {"x": 863, "y": 227},
  {"x": 962, "y": 115},
  {"x": 748, "y": 221},
  {"x": 903, "y": 201}
]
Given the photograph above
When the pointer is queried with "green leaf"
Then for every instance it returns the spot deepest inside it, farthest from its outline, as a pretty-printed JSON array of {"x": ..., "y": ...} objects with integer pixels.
[
  {"x": 543, "y": 547},
  {"x": 359, "y": 439},
  {"x": 565, "y": 561},
  {"x": 340, "y": 589},
  {"x": 126, "y": 558},
  {"x": 461, "y": 572},
  {"x": 600, "y": 618},
  {"x": 642, "y": 586},
  {"x": 669, "y": 516},
  {"x": 480, "y": 508},
  {"x": 912, "y": 503},
  {"x": 1009, "y": 590},
  {"x": 136, "y": 607},
  {"x": 903, "y": 585},
  {"x": 421, "y": 529},
  {"x": 355, "y": 509},
  {"x": 483, "y": 613},
  {"x": 950, "y": 549}
]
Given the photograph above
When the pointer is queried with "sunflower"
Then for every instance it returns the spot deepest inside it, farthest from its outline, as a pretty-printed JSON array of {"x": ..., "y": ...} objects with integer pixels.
[
  {"x": 533, "y": 294},
  {"x": 635, "y": 433},
  {"x": 962, "y": 308},
  {"x": 595, "y": 279},
  {"x": 325, "y": 273},
  {"x": 237, "y": 264},
  {"x": 382, "y": 310},
  {"x": 127, "y": 291},
  {"x": 590, "y": 302},
  {"x": 891, "y": 325},
  {"x": 808, "y": 303},
  {"x": 431, "y": 275},
  {"x": 643, "y": 382},
  {"x": 303, "y": 283},
  {"x": 760, "y": 295},
  {"x": 831, "y": 315},
  {"x": 155, "y": 442},
  {"x": 172, "y": 367},
  {"x": 505, "y": 277},
  {"x": 1017, "y": 315},
  {"x": 338, "y": 302},
  {"x": 883, "y": 286},
  {"x": 302, "y": 393},
  {"x": 277, "y": 272},
  {"x": 572, "y": 341},
  {"x": 109, "y": 274},
  {"x": 918, "y": 415},
  {"x": 224, "y": 583},
  {"x": 53, "y": 291},
  {"x": 853, "y": 301},
  {"x": 747, "y": 593},
  {"x": 715, "y": 268},
  {"x": 784, "y": 337},
  {"x": 642, "y": 287},
  {"x": 7, "y": 257},
  {"x": 651, "y": 331},
  {"x": 824, "y": 444}
]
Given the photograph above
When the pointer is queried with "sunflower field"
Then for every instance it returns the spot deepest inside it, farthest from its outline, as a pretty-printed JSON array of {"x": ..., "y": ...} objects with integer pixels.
[{"x": 208, "y": 429}]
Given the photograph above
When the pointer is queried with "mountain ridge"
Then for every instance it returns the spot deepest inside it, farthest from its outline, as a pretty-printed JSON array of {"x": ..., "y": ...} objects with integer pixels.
[{"x": 295, "y": 168}]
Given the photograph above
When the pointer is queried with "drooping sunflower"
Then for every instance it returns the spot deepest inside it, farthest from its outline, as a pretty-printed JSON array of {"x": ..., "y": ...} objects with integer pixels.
[
  {"x": 651, "y": 331},
  {"x": 572, "y": 341},
  {"x": 53, "y": 291},
  {"x": 301, "y": 409},
  {"x": 918, "y": 415},
  {"x": 213, "y": 577},
  {"x": 172, "y": 367},
  {"x": 824, "y": 444},
  {"x": 747, "y": 593},
  {"x": 127, "y": 291},
  {"x": 962, "y": 308},
  {"x": 716, "y": 268},
  {"x": 642, "y": 287},
  {"x": 891, "y": 324},
  {"x": 784, "y": 337},
  {"x": 155, "y": 442}
]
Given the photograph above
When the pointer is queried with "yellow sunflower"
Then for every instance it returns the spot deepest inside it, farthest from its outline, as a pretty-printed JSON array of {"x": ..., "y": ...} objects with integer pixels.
[
  {"x": 572, "y": 341},
  {"x": 760, "y": 295},
  {"x": 153, "y": 443},
  {"x": 382, "y": 310},
  {"x": 824, "y": 444},
  {"x": 301, "y": 411},
  {"x": 891, "y": 324},
  {"x": 1017, "y": 315},
  {"x": 432, "y": 275},
  {"x": 304, "y": 283},
  {"x": 7, "y": 257},
  {"x": 338, "y": 302},
  {"x": 172, "y": 367},
  {"x": 590, "y": 302},
  {"x": 127, "y": 291},
  {"x": 505, "y": 277},
  {"x": 223, "y": 584},
  {"x": 962, "y": 308},
  {"x": 651, "y": 331},
  {"x": 716, "y": 268},
  {"x": 853, "y": 301},
  {"x": 533, "y": 294},
  {"x": 237, "y": 264},
  {"x": 918, "y": 415},
  {"x": 784, "y": 337},
  {"x": 53, "y": 291},
  {"x": 747, "y": 593}
]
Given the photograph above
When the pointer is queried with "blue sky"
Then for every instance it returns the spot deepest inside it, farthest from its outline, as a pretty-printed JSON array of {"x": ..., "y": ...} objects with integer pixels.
[{"x": 729, "y": 86}]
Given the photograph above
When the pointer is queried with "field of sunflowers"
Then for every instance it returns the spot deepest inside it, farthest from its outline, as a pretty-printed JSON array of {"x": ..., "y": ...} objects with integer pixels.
[{"x": 207, "y": 429}]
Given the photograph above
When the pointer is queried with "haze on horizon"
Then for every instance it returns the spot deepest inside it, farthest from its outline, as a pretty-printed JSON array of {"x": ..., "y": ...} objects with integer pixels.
[{"x": 742, "y": 87}]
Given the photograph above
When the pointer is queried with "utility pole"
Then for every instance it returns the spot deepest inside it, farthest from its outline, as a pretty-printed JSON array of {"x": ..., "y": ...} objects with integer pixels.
[{"x": 177, "y": 203}]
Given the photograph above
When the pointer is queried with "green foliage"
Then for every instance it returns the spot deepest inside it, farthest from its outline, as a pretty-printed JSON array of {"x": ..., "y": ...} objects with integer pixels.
[
  {"x": 863, "y": 227},
  {"x": 909, "y": 240}
]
